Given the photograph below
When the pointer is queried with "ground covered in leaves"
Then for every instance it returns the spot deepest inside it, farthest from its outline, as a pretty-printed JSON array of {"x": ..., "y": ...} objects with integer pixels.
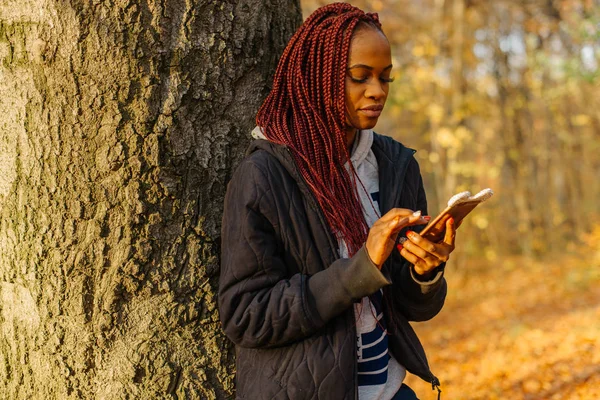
[{"x": 518, "y": 329}]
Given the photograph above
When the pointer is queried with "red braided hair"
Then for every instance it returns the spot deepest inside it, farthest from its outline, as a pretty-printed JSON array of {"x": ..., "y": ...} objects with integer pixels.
[{"x": 306, "y": 111}]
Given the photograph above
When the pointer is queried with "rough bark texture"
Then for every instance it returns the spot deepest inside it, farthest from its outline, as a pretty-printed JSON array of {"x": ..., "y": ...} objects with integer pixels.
[{"x": 120, "y": 123}]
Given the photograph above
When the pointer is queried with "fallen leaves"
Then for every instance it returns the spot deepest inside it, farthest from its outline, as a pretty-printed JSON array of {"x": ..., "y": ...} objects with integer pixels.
[{"x": 517, "y": 329}]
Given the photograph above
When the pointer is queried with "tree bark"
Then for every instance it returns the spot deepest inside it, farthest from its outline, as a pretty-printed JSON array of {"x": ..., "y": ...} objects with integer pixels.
[{"x": 120, "y": 124}]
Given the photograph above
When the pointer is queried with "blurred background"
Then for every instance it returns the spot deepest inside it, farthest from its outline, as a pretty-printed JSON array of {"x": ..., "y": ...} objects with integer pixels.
[{"x": 506, "y": 95}]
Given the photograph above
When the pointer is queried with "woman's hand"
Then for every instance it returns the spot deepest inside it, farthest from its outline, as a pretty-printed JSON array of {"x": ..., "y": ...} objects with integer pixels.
[
  {"x": 425, "y": 255},
  {"x": 383, "y": 233}
]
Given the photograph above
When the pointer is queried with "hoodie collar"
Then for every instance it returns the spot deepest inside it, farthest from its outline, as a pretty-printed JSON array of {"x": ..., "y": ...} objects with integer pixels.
[
  {"x": 361, "y": 147},
  {"x": 257, "y": 133}
]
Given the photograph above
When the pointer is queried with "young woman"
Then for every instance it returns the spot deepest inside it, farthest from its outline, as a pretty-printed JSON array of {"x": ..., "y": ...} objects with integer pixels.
[{"x": 315, "y": 289}]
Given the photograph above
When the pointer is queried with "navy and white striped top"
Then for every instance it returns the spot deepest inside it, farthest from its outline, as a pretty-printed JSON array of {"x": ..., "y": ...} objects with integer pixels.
[
  {"x": 379, "y": 374},
  {"x": 373, "y": 345}
]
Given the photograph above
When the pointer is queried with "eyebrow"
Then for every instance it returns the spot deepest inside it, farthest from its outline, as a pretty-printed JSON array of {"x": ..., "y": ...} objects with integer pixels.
[{"x": 367, "y": 67}]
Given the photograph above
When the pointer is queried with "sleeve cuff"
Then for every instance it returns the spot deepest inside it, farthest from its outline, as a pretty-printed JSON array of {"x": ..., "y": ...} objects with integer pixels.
[
  {"x": 424, "y": 287},
  {"x": 346, "y": 280},
  {"x": 366, "y": 277},
  {"x": 427, "y": 286}
]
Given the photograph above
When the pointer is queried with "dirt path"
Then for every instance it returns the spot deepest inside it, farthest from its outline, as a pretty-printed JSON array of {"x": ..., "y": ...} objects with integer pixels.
[{"x": 518, "y": 330}]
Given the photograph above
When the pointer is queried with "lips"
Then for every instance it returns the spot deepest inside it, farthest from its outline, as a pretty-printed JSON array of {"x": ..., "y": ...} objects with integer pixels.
[{"x": 372, "y": 111}]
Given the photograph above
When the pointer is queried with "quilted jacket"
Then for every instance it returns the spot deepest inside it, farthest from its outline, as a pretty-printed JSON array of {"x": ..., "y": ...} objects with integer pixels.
[{"x": 285, "y": 296}]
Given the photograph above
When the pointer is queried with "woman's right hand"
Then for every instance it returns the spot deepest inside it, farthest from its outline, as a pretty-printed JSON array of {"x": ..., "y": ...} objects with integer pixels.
[{"x": 382, "y": 235}]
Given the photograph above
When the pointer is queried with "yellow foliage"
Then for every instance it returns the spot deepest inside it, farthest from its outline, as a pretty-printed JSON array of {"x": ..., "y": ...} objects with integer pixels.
[
  {"x": 481, "y": 221},
  {"x": 418, "y": 51},
  {"x": 463, "y": 134},
  {"x": 377, "y": 5},
  {"x": 592, "y": 240},
  {"x": 445, "y": 137},
  {"x": 580, "y": 120},
  {"x": 434, "y": 157},
  {"x": 436, "y": 113}
]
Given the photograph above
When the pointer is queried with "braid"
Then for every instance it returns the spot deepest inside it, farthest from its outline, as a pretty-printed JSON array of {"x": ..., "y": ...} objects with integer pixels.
[{"x": 306, "y": 111}]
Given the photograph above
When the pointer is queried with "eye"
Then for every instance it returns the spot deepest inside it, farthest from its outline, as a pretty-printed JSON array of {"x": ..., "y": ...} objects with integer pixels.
[
  {"x": 386, "y": 80},
  {"x": 358, "y": 79}
]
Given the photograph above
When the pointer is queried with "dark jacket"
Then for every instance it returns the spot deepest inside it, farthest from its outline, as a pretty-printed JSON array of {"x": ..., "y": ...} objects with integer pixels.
[{"x": 285, "y": 296}]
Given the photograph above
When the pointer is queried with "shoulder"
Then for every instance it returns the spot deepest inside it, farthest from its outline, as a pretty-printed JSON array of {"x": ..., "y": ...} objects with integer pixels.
[
  {"x": 386, "y": 143},
  {"x": 252, "y": 177},
  {"x": 260, "y": 173},
  {"x": 260, "y": 160},
  {"x": 391, "y": 147},
  {"x": 396, "y": 152}
]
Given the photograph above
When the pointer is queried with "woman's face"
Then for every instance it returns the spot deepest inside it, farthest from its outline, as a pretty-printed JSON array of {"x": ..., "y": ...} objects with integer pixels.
[{"x": 367, "y": 78}]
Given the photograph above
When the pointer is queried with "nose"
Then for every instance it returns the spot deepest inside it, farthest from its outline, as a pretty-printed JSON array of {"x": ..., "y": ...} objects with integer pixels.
[{"x": 375, "y": 90}]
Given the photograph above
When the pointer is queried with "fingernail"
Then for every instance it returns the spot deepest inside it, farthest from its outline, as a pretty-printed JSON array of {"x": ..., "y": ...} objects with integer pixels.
[
  {"x": 399, "y": 247},
  {"x": 427, "y": 218},
  {"x": 417, "y": 213},
  {"x": 402, "y": 240},
  {"x": 409, "y": 233},
  {"x": 451, "y": 220}
]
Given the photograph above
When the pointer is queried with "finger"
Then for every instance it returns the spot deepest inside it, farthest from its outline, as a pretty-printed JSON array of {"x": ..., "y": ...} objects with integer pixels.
[
  {"x": 417, "y": 219},
  {"x": 383, "y": 227},
  {"x": 386, "y": 232},
  {"x": 420, "y": 221},
  {"x": 435, "y": 253},
  {"x": 415, "y": 216},
  {"x": 450, "y": 235},
  {"x": 396, "y": 212},
  {"x": 410, "y": 257},
  {"x": 419, "y": 264},
  {"x": 432, "y": 260},
  {"x": 399, "y": 221},
  {"x": 418, "y": 251},
  {"x": 421, "y": 242},
  {"x": 395, "y": 226}
]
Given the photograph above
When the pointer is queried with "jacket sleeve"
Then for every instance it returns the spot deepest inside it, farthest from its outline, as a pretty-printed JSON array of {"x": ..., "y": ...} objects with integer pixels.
[
  {"x": 418, "y": 300},
  {"x": 263, "y": 301}
]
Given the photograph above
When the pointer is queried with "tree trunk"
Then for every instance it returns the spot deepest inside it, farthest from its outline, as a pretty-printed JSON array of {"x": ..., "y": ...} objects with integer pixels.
[{"x": 120, "y": 123}]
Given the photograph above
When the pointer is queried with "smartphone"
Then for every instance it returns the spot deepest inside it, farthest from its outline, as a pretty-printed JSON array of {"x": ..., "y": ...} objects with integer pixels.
[{"x": 459, "y": 206}]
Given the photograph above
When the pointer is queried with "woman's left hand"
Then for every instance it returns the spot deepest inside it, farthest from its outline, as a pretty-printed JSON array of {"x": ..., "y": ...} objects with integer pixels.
[{"x": 426, "y": 255}]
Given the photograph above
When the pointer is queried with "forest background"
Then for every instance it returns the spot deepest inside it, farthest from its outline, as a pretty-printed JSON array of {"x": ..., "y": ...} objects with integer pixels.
[{"x": 506, "y": 95}]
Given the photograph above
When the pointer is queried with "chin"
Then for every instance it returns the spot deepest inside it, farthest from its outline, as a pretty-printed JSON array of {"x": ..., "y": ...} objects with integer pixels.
[
  {"x": 368, "y": 124},
  {"x": 364, "y": 124}
]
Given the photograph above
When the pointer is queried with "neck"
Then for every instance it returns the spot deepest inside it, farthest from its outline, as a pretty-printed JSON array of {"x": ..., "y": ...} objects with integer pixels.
[{"x": 350, "y": 136}]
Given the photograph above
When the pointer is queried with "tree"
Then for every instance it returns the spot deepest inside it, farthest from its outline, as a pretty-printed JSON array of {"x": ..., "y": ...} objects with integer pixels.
[{"x": 120, "y": 124}]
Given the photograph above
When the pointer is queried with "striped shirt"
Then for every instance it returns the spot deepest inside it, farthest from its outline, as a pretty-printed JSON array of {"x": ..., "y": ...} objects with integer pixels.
[{"x": 379, "y": 374}]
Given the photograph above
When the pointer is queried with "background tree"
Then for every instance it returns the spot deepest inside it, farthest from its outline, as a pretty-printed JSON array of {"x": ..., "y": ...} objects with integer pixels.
[{"x": 120, "y": 122}]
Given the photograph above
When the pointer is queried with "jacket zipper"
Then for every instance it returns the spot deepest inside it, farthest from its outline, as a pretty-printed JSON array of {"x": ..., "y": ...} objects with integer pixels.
[{"x": 435, "y": 383}]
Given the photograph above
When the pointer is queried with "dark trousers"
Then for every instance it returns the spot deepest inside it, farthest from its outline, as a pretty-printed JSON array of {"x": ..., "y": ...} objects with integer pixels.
[{"x": 405, "y": 393}]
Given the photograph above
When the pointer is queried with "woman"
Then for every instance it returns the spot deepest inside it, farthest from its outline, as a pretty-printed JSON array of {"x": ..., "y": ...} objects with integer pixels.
[{"x": 313, "y": 291}]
